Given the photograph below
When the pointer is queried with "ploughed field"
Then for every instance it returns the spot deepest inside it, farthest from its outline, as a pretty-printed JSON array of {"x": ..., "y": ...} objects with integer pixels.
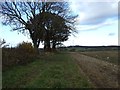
[{"x": 107, "y": 55}]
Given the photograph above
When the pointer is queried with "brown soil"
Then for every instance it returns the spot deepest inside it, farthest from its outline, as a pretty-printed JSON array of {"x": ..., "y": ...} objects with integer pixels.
[{"x": 100, "y": 73}]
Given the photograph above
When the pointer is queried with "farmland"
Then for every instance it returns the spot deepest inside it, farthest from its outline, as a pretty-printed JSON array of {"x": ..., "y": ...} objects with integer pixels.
[
  {"x": 105, "y": 53},
  {"x": 109, "y": 56},
  {"x": 68, "y": 68},
  {"x": 37, "y": 54}
]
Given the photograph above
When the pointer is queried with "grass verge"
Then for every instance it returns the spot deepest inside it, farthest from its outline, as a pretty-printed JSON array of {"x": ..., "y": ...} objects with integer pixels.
[{"x": 51, "y": 71}]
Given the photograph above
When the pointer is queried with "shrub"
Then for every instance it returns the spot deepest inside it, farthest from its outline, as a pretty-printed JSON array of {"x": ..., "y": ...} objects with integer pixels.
[
  {"x": 26, "y": 52},
  {"x": 26, "y": 47},
  {"x": 22, "y": 54}
]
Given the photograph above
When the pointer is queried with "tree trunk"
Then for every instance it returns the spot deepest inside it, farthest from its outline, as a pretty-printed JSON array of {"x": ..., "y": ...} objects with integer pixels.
[
  {"x": 54, "y": 46},
  {"x": 35, "y": 44},
  {"x": 47, "y": 42},
  {"x": 47, "y": 45}
]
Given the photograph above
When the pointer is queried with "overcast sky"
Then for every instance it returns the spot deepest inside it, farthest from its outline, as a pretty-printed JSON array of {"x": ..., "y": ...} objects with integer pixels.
[{"x": 97, "y": 24}]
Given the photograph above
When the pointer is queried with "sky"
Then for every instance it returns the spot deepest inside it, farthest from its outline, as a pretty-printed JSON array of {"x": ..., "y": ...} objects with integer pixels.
[{"x": 97, "y": 25}]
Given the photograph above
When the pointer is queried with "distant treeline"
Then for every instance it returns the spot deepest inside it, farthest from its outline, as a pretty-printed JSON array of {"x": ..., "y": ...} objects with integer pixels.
[
  {"x": 91, "y": 48},
  {"x": 94, "y": 46}
]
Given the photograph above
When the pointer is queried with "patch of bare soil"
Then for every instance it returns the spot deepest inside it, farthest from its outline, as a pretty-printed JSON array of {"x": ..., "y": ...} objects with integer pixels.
[{"x": 102, "y": 74}]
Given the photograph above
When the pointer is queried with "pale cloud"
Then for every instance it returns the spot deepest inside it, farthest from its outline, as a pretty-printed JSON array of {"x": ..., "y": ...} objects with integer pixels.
[
  {"x": 95, "y": 15},
  {"x": 92, "y": 13},
  {"x": 92, "y": 0},
  {"x": 111, "y": 34},
  {"x": 95, "y": 27}
]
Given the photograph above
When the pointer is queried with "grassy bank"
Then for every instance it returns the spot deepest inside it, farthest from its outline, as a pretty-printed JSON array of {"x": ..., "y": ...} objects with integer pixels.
[{"x": 50, "y": 71}]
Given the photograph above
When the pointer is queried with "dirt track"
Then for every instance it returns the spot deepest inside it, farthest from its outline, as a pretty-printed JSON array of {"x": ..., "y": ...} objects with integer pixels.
[{"x": 100, "y": 73}]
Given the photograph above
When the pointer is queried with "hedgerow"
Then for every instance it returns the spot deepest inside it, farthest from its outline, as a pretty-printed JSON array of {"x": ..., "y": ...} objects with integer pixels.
[{"x": 20, "y": 55}]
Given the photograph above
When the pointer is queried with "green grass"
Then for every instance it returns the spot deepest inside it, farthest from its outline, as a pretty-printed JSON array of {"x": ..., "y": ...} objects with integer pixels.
[
  {"x": 109, "y": 56},
  {"x": 51, "y": 71}
]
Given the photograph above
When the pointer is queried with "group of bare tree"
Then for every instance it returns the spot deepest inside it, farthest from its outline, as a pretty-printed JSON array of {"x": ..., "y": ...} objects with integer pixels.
[{"x": 47, "y": 22}]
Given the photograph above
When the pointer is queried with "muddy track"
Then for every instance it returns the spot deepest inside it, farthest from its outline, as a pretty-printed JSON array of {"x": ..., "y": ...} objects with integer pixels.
[{"x": 100, "y": 73}]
